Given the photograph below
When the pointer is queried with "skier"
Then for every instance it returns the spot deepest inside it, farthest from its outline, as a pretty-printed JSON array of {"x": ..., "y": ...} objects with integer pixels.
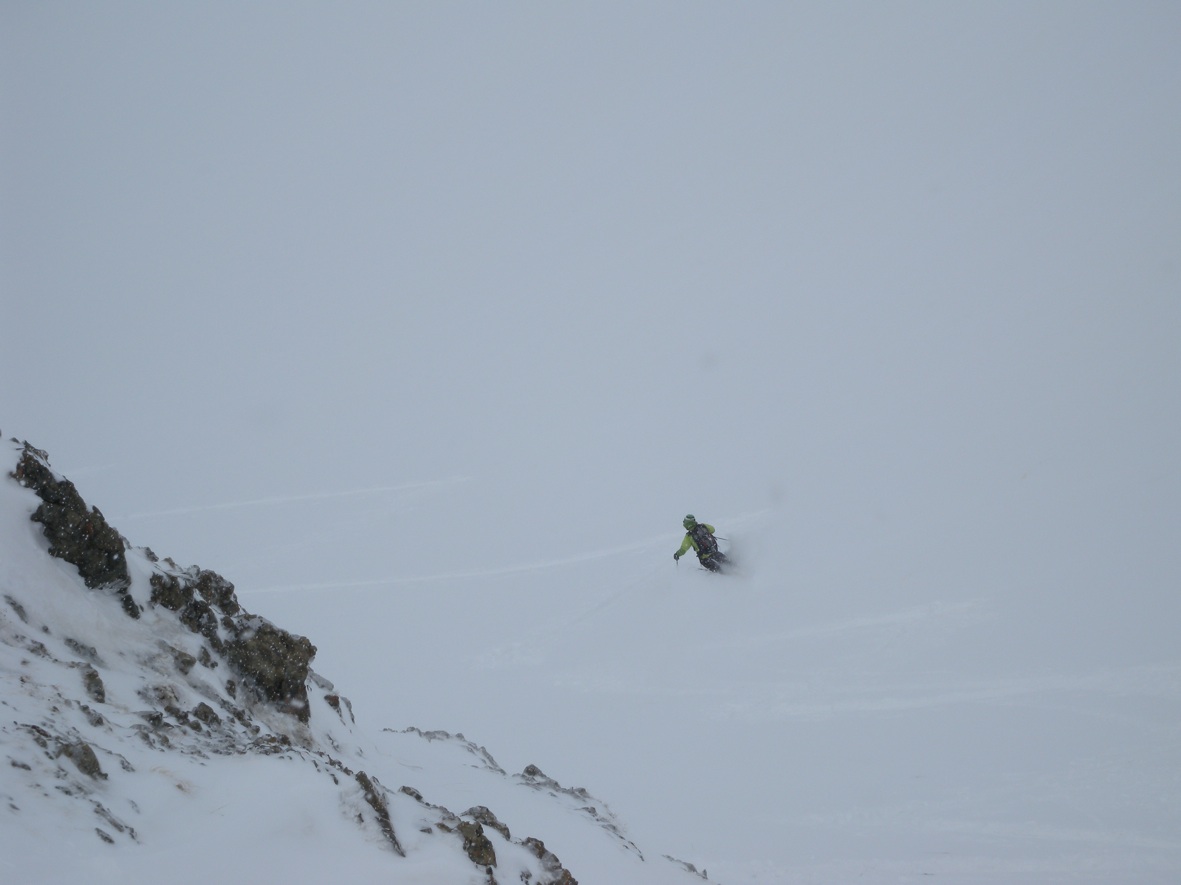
[{"x": 700, "y": 536}]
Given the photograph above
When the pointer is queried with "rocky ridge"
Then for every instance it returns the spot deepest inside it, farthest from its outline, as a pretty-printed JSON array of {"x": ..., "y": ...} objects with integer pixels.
[{"x": 165, "y": 660}]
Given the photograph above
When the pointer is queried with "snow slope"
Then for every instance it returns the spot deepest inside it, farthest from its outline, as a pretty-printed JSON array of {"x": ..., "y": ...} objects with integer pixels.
[
  {"x": 128, "y": 751},
  {"x": 798, "y": 723},
  {"x": 790, "y": 723},
  {"x": 425, "y": 324}
]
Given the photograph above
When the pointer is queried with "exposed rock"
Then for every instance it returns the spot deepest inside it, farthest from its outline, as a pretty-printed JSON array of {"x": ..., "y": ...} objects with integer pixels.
[
  {"x": 217, "y": 591},
  {"x": 205, "y": 658},
  {"x": 80, "y": 536},
  {"x": 168, "y": 591},
  {"x": 82, "y": 650},
  {"x": 484, "y": 757},
  {"x": 184, "y": 661},
  {"x": 335, "y": 701},
  {"x": 271, "y": 744},
  {"x": 476, "y": 845},
  {"x": 482, "y": 815},
  {"x": 556, "y": 873},
  {"x": 18, "y": 608},
  {"x": 273, "y": 660},
  {"x": 688, "y": 867},
  {"x": 534, "y": 777},
  {"x": 93, "y": 684},
  {"x": 206, "y": 714},
  {"x": 381, "y": 809},
  {"x": 82, "y": 755},
  {"x": 276, "y": 662},
  {"x": 120, "y": 827},
  {"x": 199, "y": 617},
  {"x": 160, "y": 695}
]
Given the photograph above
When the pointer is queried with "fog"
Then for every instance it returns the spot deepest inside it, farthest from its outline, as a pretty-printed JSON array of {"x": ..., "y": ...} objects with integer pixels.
[{"x": 348, "y": 295}]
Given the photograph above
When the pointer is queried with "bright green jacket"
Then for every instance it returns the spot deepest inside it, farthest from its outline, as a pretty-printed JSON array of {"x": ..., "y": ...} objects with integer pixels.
[{"x": 690, "y": 542}]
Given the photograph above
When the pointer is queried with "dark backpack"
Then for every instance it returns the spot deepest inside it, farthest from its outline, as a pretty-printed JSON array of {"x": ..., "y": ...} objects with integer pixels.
[{"x": 707, "y": 544}]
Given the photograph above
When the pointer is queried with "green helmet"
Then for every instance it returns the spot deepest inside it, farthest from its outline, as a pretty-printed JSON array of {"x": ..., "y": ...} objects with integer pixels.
[{"x": 689, "y": 521}]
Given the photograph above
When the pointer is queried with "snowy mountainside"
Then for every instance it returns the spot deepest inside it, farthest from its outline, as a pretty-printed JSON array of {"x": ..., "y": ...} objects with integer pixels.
[
  {"x": 149, "y": 723},
  {"x": 861, "y": 705}
]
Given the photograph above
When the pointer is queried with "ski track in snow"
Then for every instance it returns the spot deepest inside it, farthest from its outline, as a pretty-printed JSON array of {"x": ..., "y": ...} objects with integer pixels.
[
  {"x": 291, "y": 499},
  {"x": 527, "y": 567},
  {"x": 654, "y": 543}
]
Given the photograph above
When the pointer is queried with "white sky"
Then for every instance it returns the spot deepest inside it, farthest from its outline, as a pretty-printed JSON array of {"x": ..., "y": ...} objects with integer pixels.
[{"x": 608, "y": 262}]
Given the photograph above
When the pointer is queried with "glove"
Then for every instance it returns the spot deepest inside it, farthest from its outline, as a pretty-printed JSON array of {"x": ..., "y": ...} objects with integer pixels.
[{"x": 676, "y": 557}]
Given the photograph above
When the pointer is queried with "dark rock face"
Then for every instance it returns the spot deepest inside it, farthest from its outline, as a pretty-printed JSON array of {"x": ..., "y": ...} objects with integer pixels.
[
  {"x": 476, "y": 845},
  {"x": 76, "y": 534},
  {"x": 272, "y": 660},
  {"x": 558, "y": 874},
  {"x": 377, "y": 802},
  {"x": 168, "y": 591},
  {"x": 275, "y": 661}
]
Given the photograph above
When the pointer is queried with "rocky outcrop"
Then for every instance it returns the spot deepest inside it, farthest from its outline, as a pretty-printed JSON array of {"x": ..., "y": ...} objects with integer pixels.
[
  {"x": 77, "y": 534},
  {"x": 476, "y": 845},
  {"x": 471, "y": 826},
  {"x": 534, "y": 777},
  {"x": 276, "y": 663},
  {"x": 83, "y": 756},
  {"x": 271, "y": 660},
  {"x": 377, "y": 802},
  {"x": 558, "y": 874}
]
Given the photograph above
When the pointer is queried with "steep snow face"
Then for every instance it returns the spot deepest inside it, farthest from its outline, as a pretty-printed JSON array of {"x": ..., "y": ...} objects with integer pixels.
[
  {"x": 792, "y": 722},
  {"x": 135, "y": 748},
  {"x": 820, "y": 717}
]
